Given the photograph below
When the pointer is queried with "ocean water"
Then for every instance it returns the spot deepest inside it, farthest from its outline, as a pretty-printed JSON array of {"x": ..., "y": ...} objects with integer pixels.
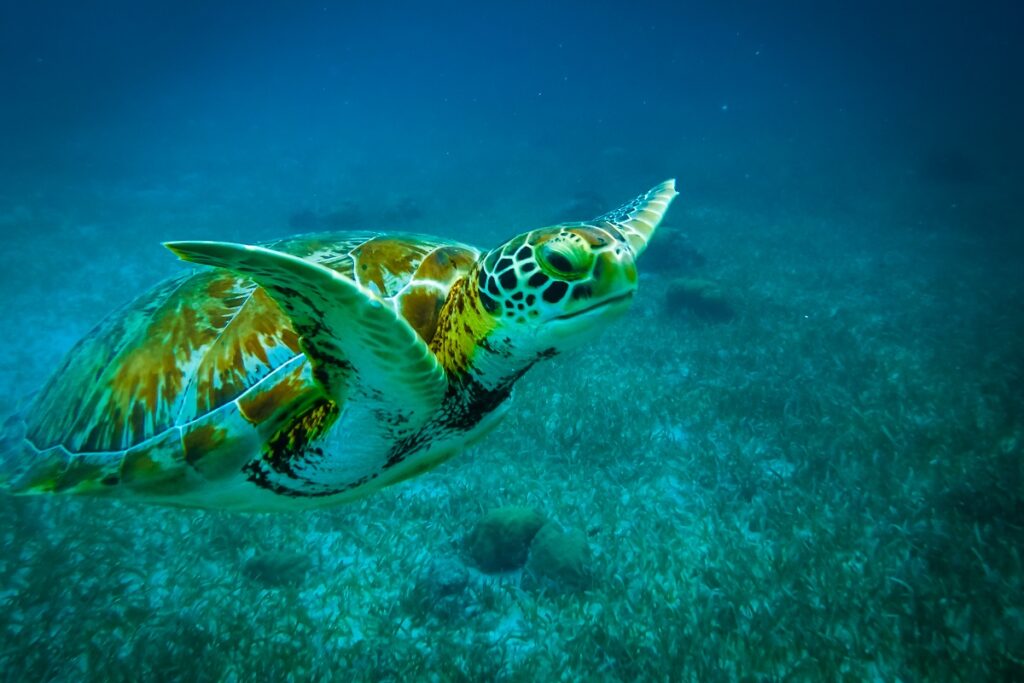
[{"x": 798, "y": 456}]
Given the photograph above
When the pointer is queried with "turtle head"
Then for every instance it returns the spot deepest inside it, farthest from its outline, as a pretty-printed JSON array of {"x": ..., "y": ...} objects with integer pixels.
[
  {"x": 550, "y": 289},
  {"x": 544, "y": 292}
]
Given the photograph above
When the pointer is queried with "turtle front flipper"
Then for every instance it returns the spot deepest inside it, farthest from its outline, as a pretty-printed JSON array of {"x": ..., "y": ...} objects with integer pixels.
[
  {"x": 638, "y": 219},
  {"x": 354, "y": 341}
]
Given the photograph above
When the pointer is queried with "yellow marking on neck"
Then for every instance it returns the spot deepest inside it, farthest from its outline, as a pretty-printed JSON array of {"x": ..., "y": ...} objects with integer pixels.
[{"x": 463, "y": 323}]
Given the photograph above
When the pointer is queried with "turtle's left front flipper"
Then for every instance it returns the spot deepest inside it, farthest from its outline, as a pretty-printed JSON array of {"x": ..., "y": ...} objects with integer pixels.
[{"x": 354, "y": 341}]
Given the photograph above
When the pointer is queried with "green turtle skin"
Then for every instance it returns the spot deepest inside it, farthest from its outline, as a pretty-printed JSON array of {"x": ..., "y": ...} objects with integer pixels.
[{"x": 313, "y": 370}]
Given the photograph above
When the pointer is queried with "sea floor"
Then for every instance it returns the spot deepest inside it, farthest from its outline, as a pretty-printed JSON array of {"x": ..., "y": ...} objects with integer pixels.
[{"x": 823, "y": 483}]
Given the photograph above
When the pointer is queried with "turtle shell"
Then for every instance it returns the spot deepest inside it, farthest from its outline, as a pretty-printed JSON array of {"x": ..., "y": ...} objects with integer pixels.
[{"x": 197, "y": 342}]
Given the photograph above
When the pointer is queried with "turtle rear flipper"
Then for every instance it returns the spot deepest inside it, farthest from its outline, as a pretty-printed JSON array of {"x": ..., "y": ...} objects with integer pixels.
[{"x": 355, "y": 342}]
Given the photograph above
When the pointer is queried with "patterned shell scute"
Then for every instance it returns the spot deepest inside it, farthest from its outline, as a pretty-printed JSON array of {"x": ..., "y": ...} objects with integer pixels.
[
  {"x": 197, "y": 342},
  {"x": 194, "y": 345}
]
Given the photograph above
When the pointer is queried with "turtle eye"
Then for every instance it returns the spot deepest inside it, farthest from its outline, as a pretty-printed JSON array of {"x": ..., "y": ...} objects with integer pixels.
[{"x": 564, "y": 260}]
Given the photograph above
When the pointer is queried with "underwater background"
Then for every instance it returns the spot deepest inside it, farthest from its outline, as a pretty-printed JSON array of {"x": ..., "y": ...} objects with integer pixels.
[{"x": 798, "y": 457}]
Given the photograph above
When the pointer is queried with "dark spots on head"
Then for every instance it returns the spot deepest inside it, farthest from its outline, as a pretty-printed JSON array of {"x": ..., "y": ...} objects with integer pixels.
[
  {"x": 598, "y": 268},
  {"x": 530, "y": 299},
  {"x": 489, "y": 304},
  {"x": 504, "y": 264},
  {"x": 555, "y": 292},
  {"x": 581, "y": 291},
  {"x": 528, "y": 267},
  {"x": 524, "y": 253},
  {"x": 537, "y": 280},
  {"x": 491, "y": 259},
  {"x": 518, "y": 296},
  {"x": 482, "y": 279},
  {"x": 508, "y": 304},
  {"x": 110, "y": 480},
  {"x": 492, "y": 287},
  {"x": 591, "y": 235},
  {"x": 508, "y": 279}
]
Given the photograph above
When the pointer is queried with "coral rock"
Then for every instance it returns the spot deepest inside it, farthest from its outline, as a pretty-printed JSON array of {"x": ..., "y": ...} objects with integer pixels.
[
  {"x": 702, "y": 298},
  {"x": 501, "y": 540},
  {"x": 673, "y": 253},
  {"x": 562, "y": 558}
]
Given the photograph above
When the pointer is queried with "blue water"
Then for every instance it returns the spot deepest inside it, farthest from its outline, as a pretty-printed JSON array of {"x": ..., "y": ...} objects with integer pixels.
[{"x": 811, "y": 470}]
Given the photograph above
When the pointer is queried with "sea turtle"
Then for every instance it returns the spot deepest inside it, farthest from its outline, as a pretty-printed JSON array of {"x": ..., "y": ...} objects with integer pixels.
[{"x": 312, "y": 370}]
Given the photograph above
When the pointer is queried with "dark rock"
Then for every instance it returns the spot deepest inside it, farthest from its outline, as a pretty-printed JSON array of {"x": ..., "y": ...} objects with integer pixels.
[
  {"x": 670, "y": 251},
  {"x": 277, "y": 568},
  {"x": 501, "y": 539},
  {"x": 560, "y": 558},
  {"x": 702, "y": 298}
]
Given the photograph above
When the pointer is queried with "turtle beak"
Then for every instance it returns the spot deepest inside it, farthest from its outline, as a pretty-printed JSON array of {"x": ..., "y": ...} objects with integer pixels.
[{"x": 638, "y": 219}]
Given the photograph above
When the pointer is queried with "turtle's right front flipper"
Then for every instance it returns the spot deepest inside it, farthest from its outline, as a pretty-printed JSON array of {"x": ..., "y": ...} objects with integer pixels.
[{"x": 353, "y": 340}]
